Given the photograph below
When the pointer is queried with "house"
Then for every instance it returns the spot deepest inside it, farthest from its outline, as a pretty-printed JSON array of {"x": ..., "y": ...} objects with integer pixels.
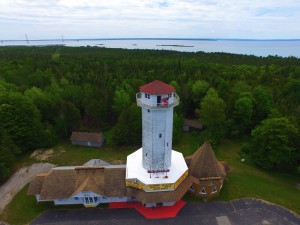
[
  {"x": 97, "y": 182},
  {"x": 154, "y": 175},
  {"x": 87, "y": 139},
  {"x": 189, "y": 125}
]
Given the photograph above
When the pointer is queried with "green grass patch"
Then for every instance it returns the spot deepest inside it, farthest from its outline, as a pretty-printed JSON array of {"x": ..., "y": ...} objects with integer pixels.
[
  {"x": 67, "y": 154},
  {"x": 245, "y": 180}
]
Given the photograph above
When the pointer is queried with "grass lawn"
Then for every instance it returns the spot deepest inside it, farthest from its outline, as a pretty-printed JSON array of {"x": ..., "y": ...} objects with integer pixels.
[
  {"x": 244, "y": 180},
  {"x": 66, "y": 154}
]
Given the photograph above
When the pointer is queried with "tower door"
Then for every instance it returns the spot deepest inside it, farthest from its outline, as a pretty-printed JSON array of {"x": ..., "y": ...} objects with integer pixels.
[{"x": 158, "y": 100}]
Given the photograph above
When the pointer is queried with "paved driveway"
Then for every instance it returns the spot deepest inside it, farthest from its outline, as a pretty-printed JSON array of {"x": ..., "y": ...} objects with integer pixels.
[{"x": 238, "y": 212}]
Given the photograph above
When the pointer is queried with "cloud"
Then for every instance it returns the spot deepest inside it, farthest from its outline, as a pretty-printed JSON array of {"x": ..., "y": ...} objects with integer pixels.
[{"x": 150, "y": 18}]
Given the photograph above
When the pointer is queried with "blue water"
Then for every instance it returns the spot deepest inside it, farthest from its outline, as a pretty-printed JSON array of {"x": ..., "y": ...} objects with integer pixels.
[{"x": 284, "y": 48}]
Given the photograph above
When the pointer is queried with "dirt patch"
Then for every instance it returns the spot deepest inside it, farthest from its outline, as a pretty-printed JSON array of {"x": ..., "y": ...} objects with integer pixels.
[
  {"x": 18, "y": 180},
  {"x": 42, "y": 154}
]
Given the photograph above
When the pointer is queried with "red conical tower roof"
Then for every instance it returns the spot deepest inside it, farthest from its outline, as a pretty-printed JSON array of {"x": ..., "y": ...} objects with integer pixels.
[{"x": 157, "y": 87}]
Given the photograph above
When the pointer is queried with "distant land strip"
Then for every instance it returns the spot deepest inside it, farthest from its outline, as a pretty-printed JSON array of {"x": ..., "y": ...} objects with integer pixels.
[{"x": 184, "y": 46}]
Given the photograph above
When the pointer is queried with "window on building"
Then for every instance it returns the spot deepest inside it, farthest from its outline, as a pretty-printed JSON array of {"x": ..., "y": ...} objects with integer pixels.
[
  {"x": 192, "y": 189},
  {"x": 149, "y": 96},
  {"x": 148, "y": 110},
  {"x": 76, "y": 198},
  {"x": 214, "y": 190},
  {"x": 87, "y": 200},
  {"x": 202, "y": 192},
  {"x": 95, "y": 199},
  {"x": 167, "y": 143},
  {"x": 91, "y": 199},
  {"x": 160, "y": 135}
]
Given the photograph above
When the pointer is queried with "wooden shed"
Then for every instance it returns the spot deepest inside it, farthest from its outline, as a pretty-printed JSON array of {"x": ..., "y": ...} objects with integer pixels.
[
  {"x": 189, "y": 125},
  {"x": 87, "y": 139}
]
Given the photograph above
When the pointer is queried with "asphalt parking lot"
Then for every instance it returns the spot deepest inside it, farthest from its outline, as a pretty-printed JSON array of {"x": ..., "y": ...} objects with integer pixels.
[{"x": 245, "y": 211}]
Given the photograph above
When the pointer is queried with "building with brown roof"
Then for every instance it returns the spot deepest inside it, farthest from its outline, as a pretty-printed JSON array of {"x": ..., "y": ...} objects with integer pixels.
[
  {"x": 88, "y": 185},
  {"x": 189, "y": 125},
  {"x": 87, "y": 139},
  {"x": 154, "y": 175},
  {"x": 206, "y": 172}
]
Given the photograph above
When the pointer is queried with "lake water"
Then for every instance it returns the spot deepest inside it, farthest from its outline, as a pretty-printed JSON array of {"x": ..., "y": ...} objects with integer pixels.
[{"x": 282, "y": 48}]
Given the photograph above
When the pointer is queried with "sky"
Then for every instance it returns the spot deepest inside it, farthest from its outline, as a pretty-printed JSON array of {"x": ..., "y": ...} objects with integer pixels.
[{"x": 245, "y": 19}]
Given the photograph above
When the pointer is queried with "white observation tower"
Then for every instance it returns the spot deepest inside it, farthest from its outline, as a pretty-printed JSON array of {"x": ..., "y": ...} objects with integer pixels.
[
  {"x": 157, "y": 100},
  {"x": 155, "y": 166}
]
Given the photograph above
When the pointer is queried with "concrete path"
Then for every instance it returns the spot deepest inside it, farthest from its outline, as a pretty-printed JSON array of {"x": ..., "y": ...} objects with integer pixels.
[
  {"x": 18, "y": 180},
  {"x": 237, "y": 212}
]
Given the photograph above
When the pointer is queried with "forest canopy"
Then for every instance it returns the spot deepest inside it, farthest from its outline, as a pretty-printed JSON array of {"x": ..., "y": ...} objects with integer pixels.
[{"x": 48, "y": 92}]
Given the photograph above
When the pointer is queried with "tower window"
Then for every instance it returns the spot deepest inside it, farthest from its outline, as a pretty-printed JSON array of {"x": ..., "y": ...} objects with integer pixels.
[{"x": 160, "y": 135}]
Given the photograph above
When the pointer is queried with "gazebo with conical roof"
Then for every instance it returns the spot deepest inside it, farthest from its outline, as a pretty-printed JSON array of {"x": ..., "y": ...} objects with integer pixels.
[{"x": 206, "y": 172}]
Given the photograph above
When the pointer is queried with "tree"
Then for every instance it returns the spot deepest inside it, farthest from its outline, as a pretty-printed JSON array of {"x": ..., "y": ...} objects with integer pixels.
[
  {"x": 7, "y": 151},
  {"x": 21, "y": 120},
  {"x": 212, "y": 115},
  {"x": 44, "y": 101},
  {"x": 274, "y": 144},
  {"x": 121, "y": 100},
  {"x": 177, "y": 127},
  {"x": 199, "y": 89},
  {"x": 128, "y": 129},
  {"x": 262, "y": 104},
  {"x": 243, "y": 109}
]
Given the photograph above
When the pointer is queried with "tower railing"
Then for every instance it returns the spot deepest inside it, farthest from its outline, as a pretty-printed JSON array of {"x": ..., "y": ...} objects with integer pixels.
[{"x": 148, "y": 105}]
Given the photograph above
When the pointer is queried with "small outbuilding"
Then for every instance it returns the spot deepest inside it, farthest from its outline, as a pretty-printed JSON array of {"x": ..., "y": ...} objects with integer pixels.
[
  {"x": 189, "y": 125},
  {"x": 87, "y": 139}
]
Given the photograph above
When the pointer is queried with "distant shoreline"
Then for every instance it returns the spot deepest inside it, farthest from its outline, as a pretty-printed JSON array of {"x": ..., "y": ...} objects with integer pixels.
[
  {"x": 166, "y": 39},
  {"x": 182, "y": 46}
]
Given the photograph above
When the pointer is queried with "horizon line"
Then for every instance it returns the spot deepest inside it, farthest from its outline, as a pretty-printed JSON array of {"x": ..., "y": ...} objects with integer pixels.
[{"x": 171, "y": 38}]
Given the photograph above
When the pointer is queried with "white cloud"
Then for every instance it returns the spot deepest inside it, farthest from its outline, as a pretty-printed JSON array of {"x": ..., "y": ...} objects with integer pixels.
[{"x": 146, "y": 18}]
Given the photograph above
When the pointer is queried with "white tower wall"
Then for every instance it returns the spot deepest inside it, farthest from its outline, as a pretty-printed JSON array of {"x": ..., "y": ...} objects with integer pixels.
[{"x": 157, "y": 138}]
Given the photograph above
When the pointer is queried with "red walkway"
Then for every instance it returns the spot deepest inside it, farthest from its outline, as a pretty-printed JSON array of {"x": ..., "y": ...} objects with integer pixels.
[{"x": 151, "y": 213}]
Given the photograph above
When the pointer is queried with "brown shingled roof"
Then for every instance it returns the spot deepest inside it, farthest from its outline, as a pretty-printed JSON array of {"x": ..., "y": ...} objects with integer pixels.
[
  {"x": 65, "y": 182},
  {"x": 204, "y": 164},
  {"x": 84, "y": 136},
  {"x": 36, "y": 184},
  {"x": 115, "y": 182}
]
